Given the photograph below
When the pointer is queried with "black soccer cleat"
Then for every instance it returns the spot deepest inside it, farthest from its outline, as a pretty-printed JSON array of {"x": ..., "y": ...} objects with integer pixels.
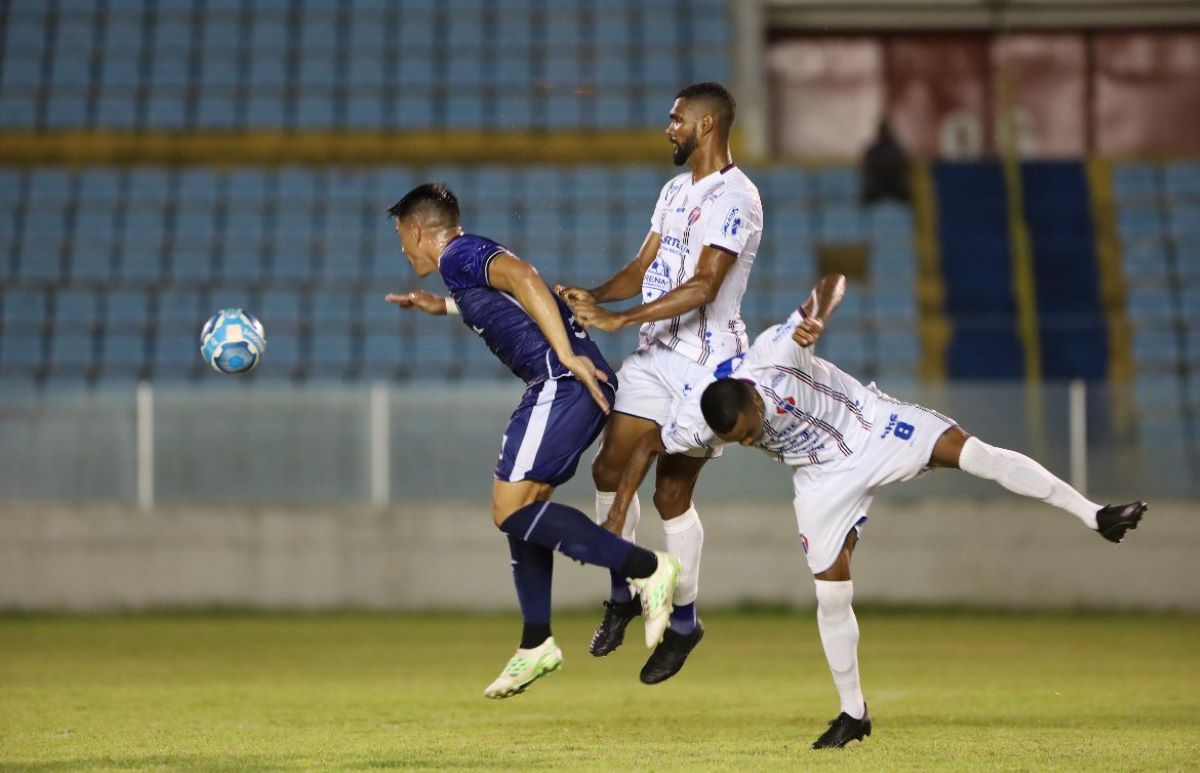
[
  {"x": 843, "y": 730},
  {"x": 1112, "y": 521},
  {"x": 669, "y": 655},
  {"x": 611, "y": 631}
]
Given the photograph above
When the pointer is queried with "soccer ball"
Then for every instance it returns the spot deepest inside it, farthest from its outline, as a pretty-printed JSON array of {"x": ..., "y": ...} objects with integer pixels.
[{"x": 233, "y": 341}]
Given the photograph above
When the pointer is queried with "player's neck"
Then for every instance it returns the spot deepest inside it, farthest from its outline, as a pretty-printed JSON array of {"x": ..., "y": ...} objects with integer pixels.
[
  {"x": 706, "y": 160},
  {"x": 444, "y": 237}
]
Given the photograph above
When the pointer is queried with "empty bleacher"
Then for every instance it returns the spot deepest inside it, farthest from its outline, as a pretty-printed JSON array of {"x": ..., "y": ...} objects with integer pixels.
[
  {"x": 109, "y": 273},
  {"x": 313, "y": 65}
]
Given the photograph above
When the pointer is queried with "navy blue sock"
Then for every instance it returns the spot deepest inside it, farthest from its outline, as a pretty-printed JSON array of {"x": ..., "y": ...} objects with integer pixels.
[
  {"x": 570, "y": 532},
  {"x": 620, "y": 588},
  {"x": 683, "y": 618},
  {"x": 533, "y": 574}
]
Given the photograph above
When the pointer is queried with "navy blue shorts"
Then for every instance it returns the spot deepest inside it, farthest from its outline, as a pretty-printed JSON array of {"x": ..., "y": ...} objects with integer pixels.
[{"x": 554, "y": 424}]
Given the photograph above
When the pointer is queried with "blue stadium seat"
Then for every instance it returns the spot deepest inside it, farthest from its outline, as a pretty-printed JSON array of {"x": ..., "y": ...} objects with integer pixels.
[
  {"x": 1190, "y": 303},
  {"x": 71, "y": 352},
  {"x": 170, "y": 73},
  {"x": 839, "y": 223},
  {"x": 216, "y": 109},
  {"x": 123, "y": 355},
  {"x": 895, "y": 305},
  {"x": 167, "y": 108},
  {"x": 838, "y": 184},
  {"x": 280, "y": 309},
  {"x": 383, "y": 354},
  {"x": 464, "y": 111},
  {"x": 331, "y": 355},
  {"x": 120, "y": 73},
  {"x": 1135, "y": 181},
  {"x": 175, "y": 353},
  {"x": 24, "y": 309},
  {"x": 268, "y": 69},
  {"x": 1150, "y": 305},
  {"x": 899, "y": 353},
  {"x": 1145, "y": 259},
  {"x": 48, "y": 188},
  {"x": 125, "y": 310},
  {"x": 179, "y": 309},
  {"x": 845, "y": 347},
  {"x": 20, "y": 353},
  {"x": 75, "y": 310},
  {"x": 514, "y": 109},
  {"x": 1155, "y": 348},
  {"x": 283, "y": 352},
  {"x": 332, "y": 310},
  {"x": 1183, "y": 179},
  {"x": 512, "y": 69}
]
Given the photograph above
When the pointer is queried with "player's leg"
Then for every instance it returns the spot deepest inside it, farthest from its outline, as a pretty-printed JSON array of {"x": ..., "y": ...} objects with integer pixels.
[
  {"x": 1022, "y": 475},
  {"x": 620, "y": 435},
  {"x": 839, "y": 638},
  {"x": 675, "y": 481}
]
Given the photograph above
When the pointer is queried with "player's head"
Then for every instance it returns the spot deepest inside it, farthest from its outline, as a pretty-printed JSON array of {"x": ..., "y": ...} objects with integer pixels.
[
  {"x": 426, "y": 213},
  {"x": 702, "y": 112},
  {"x": 734, "y": 410}
]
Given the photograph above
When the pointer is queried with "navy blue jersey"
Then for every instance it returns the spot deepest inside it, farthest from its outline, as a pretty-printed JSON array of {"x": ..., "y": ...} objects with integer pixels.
[{"x": 501, "y": 321}]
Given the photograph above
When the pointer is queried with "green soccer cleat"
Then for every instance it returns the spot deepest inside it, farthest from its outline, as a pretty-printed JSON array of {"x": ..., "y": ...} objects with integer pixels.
[
  {"x": 525, "y": 668},
  {"x": 656, "y": 592}
]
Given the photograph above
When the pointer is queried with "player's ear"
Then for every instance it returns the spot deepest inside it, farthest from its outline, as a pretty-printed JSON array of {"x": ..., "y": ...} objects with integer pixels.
[{"x": 707, "y": 123}]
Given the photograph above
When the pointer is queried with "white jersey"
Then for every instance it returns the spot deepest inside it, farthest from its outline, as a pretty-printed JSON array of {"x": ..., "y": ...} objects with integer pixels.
[
  {"x": 723, "y": 211},
  {"x": 815, "y": 413}
]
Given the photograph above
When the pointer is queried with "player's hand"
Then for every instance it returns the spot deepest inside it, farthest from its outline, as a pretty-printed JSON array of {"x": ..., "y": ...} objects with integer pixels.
[
  {"x": 419, "y": 299},
  {"x": 588, "y": 314},
  {"x": 590, "y": 376},
  {"x": 573, "y": 295},
  {"x": 615, "y": 522},
  {"x": 808, "y": 331}
]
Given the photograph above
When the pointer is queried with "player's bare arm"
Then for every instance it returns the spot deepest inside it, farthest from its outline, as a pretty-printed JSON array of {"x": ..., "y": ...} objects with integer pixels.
[
  {"x": 700, "y": 289},
  {"x": 423, "y": 300},
  {"x": 648, "y": 447},
  {"x": 623, "y": 285},
  {"x": 521, "y": 280},
  {"x": 822, "y": 302}
]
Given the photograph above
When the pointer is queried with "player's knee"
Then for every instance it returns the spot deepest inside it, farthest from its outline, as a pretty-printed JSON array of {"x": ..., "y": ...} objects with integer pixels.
[
  {"x": 606, "y": 473},
  {"x": 672, "y": 498}
]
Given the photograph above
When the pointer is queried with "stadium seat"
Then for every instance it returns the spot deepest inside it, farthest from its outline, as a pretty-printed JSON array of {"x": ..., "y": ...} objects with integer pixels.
[
  {"x": 1155, "y": 349},
  {"x": 122, "y": 356},
  {"x": 75, "y": 310},
  {"x": 332, "y": 354},
  {"x": 125, "y": 310},
  {"x": 24, "y": 310},
  {"x": 21, "y": 353}
]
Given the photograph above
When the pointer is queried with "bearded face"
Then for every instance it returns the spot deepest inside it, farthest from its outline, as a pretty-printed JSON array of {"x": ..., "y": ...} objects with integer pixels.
[{"x": 683, "y": 147}]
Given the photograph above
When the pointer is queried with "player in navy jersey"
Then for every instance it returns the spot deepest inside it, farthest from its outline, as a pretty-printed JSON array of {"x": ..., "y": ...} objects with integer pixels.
[{"x": 568, "y": 391}]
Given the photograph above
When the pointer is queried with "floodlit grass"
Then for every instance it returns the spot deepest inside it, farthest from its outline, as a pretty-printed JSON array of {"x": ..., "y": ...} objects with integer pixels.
[{"x": 946, "y": 690}]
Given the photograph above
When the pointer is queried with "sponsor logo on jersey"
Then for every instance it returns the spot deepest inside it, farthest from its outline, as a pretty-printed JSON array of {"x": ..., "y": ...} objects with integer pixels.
[
  {"x": 891, "y": 425},
  {"x": 732, "y": 223},
  {"x": 694, "y": 215}
]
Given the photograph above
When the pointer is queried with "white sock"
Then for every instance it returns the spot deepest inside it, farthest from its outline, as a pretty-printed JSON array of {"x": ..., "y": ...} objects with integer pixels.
[
  {"x": 839, "y": 637},
  {"x": 620, "y": 590},
  {"x": 685, "y": 540},
  {"x": 633, "y": 514},
  {"x": 1022, "y": 475}
]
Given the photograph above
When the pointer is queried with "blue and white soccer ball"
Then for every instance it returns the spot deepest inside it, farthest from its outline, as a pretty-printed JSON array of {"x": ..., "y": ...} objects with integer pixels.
[{"x": 233, "y": 341}]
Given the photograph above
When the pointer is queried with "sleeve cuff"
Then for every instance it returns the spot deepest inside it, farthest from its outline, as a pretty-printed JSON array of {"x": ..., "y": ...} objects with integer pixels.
[{"x": 723, "y": 248}]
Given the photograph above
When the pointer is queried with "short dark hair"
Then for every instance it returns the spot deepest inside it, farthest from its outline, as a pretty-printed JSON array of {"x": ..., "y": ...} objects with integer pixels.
[
  {"x": 723, "y": 401},
  {"x": 434, "y": 200},
  {"x": 724, "y": 106}
]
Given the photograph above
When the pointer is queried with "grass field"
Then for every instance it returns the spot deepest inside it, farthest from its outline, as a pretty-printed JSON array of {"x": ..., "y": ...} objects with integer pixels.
[{"x": 946, "y": 690}]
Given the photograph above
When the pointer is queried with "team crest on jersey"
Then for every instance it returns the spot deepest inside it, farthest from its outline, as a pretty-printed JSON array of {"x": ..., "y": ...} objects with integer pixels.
[
  {"x": 804, "y": 543},
  {"x": 779, "y": 409},
  {"x": 694, "y": 215}
]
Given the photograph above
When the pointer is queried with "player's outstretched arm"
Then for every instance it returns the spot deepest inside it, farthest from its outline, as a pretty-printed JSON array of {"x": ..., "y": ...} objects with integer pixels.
[
  {"x": 514, "y": 276},
  {"x": 421, "y": 299},
  {"x": 624, "y": 284},
  {"x": 822, "y": 302},
  {"x": 647, "y": 448},
  {"x": 714, "y": 263}
]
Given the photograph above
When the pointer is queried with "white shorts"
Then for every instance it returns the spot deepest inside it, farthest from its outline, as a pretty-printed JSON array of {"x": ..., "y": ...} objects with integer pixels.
[
  {"x": 652, "y": 383},
  {"x": 830, "y": 500}
]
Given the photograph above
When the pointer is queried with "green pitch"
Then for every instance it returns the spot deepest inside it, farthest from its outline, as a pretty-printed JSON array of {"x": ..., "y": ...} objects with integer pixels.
[{"x": 236, "y": 692}]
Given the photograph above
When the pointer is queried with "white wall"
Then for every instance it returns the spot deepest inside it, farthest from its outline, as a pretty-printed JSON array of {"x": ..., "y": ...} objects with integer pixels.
[{"x": 996, "y": 552}]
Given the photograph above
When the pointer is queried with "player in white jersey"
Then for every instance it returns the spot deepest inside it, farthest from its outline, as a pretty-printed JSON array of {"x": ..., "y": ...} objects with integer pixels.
[
  {"x": 690, "y": 274},
  {"x": 843, "y": 441}
]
